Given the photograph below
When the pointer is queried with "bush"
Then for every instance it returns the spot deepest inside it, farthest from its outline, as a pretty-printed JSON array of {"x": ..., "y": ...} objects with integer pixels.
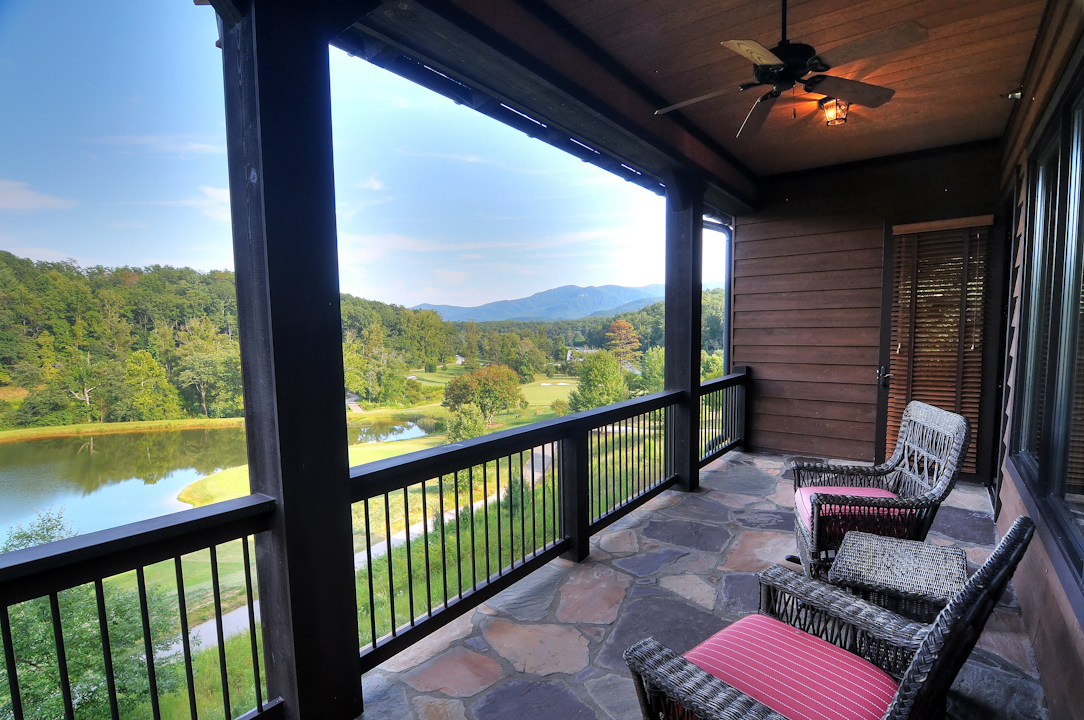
[
  {"x": 560, "y": 407},
  {"x": 466, "y": 422}
]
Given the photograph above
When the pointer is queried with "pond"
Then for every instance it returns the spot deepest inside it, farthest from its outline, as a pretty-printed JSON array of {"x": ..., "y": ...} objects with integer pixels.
[{"x": 102, "y": 481}]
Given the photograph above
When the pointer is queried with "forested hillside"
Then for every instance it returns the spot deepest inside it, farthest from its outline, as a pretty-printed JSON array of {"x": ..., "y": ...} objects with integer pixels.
[{"x": 115, "y": 344}]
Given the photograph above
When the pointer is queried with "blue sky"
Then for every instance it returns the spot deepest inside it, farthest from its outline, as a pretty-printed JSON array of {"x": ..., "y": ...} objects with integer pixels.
[{"x": 113, "y": 152}]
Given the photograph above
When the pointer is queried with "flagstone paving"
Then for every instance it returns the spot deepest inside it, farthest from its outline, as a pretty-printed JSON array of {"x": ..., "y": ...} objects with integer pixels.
[{"x": 679, "y": 569}]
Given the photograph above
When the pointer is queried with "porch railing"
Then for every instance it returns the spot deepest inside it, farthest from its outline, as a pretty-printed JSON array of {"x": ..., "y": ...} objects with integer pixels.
[
  {"x": 119, "y": 606},
  {"x": 436, "y": 533}
]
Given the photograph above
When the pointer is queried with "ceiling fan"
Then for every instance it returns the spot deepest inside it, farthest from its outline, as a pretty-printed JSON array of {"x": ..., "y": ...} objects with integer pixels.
[{"x": 788, "y": 64}]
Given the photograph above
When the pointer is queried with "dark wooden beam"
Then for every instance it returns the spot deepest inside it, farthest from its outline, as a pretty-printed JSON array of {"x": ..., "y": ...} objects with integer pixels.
[
  {"x": 684, "y": 262},
  {"x": 278, "y": 113}
]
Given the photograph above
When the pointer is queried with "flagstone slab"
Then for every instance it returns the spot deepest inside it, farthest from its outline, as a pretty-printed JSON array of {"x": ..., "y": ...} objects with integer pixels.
[
  {"x": 527, "y": 700},
  {"x": 621, "y": 542},
  {"x": 743, "y": 480},
  {"x": 755, "y": 550},
  {"x": 538, "y": 649},
  {"x": 688, "y": 533},
  {"x": 648, "y": 563},
  {"x": 592, "y": 594},
  {"x": 981, "y": 692},
  {"x": 458, "y": 672},
  {"x": 675, "y": 623},
  {"x": 431, "y": 645},
  {"x": 531, "y": 597},
  {"x": 970, "y": 496},
  {"x": 699, "y": 507},
  {"x": 384, "y": 699},
  {"x": 763, "y": 520},
  {"x": 784, "y": 494},
  {"x": 969, "y": 526},
  {"x": 431, "y": 708},
  {"x": 691, "y": 588},
  {"x": 741, "y": 593},
  {"x": 616, "y": 695}
]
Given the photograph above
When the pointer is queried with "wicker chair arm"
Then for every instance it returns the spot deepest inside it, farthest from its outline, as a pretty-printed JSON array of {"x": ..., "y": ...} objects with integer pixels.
[
  {"x": 919, "y": 502},
  {"x": 873, "y": 620},
  {"x": 664, "y": 671},
  {"x": 813, "y": 474}
]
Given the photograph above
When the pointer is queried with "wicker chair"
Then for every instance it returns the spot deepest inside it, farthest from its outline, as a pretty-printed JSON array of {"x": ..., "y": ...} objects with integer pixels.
[
  {"x": 898, "y": 498},
  {"x": 848, "y": 659}
]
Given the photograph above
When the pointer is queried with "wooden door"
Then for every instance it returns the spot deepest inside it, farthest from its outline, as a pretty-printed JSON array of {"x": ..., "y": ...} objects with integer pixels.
[{"x": 935, "y": 338}]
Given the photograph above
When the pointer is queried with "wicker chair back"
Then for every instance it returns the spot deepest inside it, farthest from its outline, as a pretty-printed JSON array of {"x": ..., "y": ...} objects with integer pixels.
[
  {"x": 930, "y": 449},
  {"x": 953, "y": 635}
]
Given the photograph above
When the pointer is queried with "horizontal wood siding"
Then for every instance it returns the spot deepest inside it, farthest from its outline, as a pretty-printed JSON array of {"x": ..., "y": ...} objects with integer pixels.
[{"x": 807, "y": 291}]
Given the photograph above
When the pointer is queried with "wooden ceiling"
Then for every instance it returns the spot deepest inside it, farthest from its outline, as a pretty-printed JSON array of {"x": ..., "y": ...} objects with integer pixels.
[{"x": 948, "y": 89}]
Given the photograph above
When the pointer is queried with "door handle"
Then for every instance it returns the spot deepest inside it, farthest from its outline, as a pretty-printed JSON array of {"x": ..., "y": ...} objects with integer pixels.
[{"x": 882, "y": 377}]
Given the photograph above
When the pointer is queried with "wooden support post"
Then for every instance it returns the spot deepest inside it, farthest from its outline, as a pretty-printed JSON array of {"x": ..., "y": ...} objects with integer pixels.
[
  {"x": 282, "y": 195},
  {"x": 576, "y": 492},
  {"x": 684, "y": 260}
]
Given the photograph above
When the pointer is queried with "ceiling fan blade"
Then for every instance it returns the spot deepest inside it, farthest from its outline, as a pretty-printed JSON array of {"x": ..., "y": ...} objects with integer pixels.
[
  {"x": 852, "y": 91},
  {"x": 758, "y": 114},
  {"x": 754, "y": 52},
  {"x": 894, "y": 38},
  {"x": 709, "y": 96}
]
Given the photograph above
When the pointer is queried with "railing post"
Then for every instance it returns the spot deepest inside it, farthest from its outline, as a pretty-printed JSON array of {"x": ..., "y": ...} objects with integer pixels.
[
  {"x": 743, "y": 395},
  {"x": 575, "y": 491},
  {"x": 684, "y": 260},
  {"x": 282, "y": 198}
]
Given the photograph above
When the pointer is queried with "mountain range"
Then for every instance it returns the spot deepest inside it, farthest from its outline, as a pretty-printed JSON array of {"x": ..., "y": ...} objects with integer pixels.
[{"x": 567, "y": 302}]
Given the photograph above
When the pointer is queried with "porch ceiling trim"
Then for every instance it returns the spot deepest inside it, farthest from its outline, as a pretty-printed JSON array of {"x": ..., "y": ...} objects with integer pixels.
[{"x": 498, "y": 48}]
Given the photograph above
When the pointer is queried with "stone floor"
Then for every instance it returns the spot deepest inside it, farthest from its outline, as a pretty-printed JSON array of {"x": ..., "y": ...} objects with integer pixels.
[{"x": 679, "y": 569}]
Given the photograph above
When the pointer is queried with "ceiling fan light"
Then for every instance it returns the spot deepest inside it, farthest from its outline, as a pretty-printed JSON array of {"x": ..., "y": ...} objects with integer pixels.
[{"x": 835, "y": 110}]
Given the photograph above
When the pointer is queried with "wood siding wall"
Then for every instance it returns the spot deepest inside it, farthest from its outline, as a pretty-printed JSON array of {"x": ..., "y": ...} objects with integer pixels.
[{"x": 807, "y": 290}]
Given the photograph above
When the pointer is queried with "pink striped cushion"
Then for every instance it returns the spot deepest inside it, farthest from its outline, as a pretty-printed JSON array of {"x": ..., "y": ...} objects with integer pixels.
[
  {"x": 794, "y": 673},
  {"x": 804, "y": 504}
]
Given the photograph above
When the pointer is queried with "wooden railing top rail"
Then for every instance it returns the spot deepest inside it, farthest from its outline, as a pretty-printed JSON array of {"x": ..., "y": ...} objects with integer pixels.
[
  {"x": 38, "y": 571},
  {"x": 736, "y": 378},
  {"x": 382, "y": 476}
]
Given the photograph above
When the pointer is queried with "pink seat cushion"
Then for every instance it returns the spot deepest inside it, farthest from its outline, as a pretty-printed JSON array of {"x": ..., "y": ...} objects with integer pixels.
[
  {"x": 794, "y": 673},
  {"x": 804, "y": 504}
]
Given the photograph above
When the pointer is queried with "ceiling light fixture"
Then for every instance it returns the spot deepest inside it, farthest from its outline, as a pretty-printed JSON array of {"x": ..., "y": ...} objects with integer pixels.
[{"x": 835, "y": 110}]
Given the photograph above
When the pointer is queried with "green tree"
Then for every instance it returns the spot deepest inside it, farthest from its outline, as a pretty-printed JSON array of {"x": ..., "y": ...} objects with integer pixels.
[
  {"x": 492, "y": 389},
  {"x": 149, "y": 394},
  {"x": 560, "y": 407},
  {"x": 466, "y": 422},
  {"x": 711, "y": 366},
  {"x": 601, "y": 382},
  {"x": 35, "y": 650},
  {"x": 653, "y": 370}
]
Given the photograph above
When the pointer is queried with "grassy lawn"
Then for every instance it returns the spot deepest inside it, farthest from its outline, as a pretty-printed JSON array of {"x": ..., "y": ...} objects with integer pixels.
[{"x": 9, "y": 436}]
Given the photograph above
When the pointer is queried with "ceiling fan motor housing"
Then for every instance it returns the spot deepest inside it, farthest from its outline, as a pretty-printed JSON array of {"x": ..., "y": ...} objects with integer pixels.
[{"x": 798, "y": 59}]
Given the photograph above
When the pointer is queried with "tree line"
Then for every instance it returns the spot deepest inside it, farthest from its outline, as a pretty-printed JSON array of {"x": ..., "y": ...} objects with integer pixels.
[{"x": 106, "y": 344}]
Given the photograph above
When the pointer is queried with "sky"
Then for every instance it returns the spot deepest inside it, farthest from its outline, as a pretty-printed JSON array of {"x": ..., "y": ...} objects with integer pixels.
[{"x": 113, "y": 152}]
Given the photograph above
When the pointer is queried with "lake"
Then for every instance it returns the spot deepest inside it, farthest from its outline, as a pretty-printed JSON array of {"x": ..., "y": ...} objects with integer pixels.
[{"x": 102, "y": 481}]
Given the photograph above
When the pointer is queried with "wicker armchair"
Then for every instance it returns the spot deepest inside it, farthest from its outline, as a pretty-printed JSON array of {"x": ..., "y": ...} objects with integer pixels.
[
  {"x": 898, "y": 498},
  {"x": 848, "y": 659}
]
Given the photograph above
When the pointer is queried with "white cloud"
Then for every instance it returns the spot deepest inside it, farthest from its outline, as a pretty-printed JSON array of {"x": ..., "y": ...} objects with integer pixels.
[
  {"x": 17, "y": 196},
  {"x": 372, "y": 184},
  {"x": 451, "y": 277},
  {"x": 175, "y": 144},
  {"x": 50, "y": 255},
  {"x": 212, "y": 202}
]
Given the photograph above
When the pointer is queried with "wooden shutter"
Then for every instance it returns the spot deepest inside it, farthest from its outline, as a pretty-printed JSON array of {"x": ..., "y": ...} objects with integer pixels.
[{"x": 937, "y": 326}]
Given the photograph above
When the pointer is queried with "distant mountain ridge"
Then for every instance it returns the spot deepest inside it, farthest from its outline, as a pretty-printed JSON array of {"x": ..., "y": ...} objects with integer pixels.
[{"x": 567, "y": 302}]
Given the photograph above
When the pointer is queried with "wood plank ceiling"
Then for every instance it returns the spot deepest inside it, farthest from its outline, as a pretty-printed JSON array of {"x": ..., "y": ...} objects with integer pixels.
[{"x": 948, "y": 89}]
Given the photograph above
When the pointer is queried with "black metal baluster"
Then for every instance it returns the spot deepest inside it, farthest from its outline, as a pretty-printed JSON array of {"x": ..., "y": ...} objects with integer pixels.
[
  {"x": 425, "y": 547},
  {"x": 387, "y": 554},
  {"x": 369, "y": 572},
  {"x": 545, "y": 505},
  {"x": 186, "y": 642},
  {"x": 107, "y": 650},
  {"x": 220, "y": 634},
  {"x": 534, "y": 505},
  {"x": 9, "y": 662},
  {"x": 458, "y": 536},
  {"x": 473, "y": 547},
  {"x": 409, "y": 561},
  {"x": 500, "y": 535},
  {"x": 61, "y": 657},
  {"x": 485, "y": 512},
  {"x": 522, "y": 511},
  {"x": 148, "y": 642},
  {"x": 252, "y": 625},
  {"x": 443, "y": 549}
]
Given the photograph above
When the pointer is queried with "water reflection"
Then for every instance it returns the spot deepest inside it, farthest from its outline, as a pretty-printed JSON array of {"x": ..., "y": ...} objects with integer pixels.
[
  {"x": 383, "y": 432},
  {"x": 107, "y": 480}
]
